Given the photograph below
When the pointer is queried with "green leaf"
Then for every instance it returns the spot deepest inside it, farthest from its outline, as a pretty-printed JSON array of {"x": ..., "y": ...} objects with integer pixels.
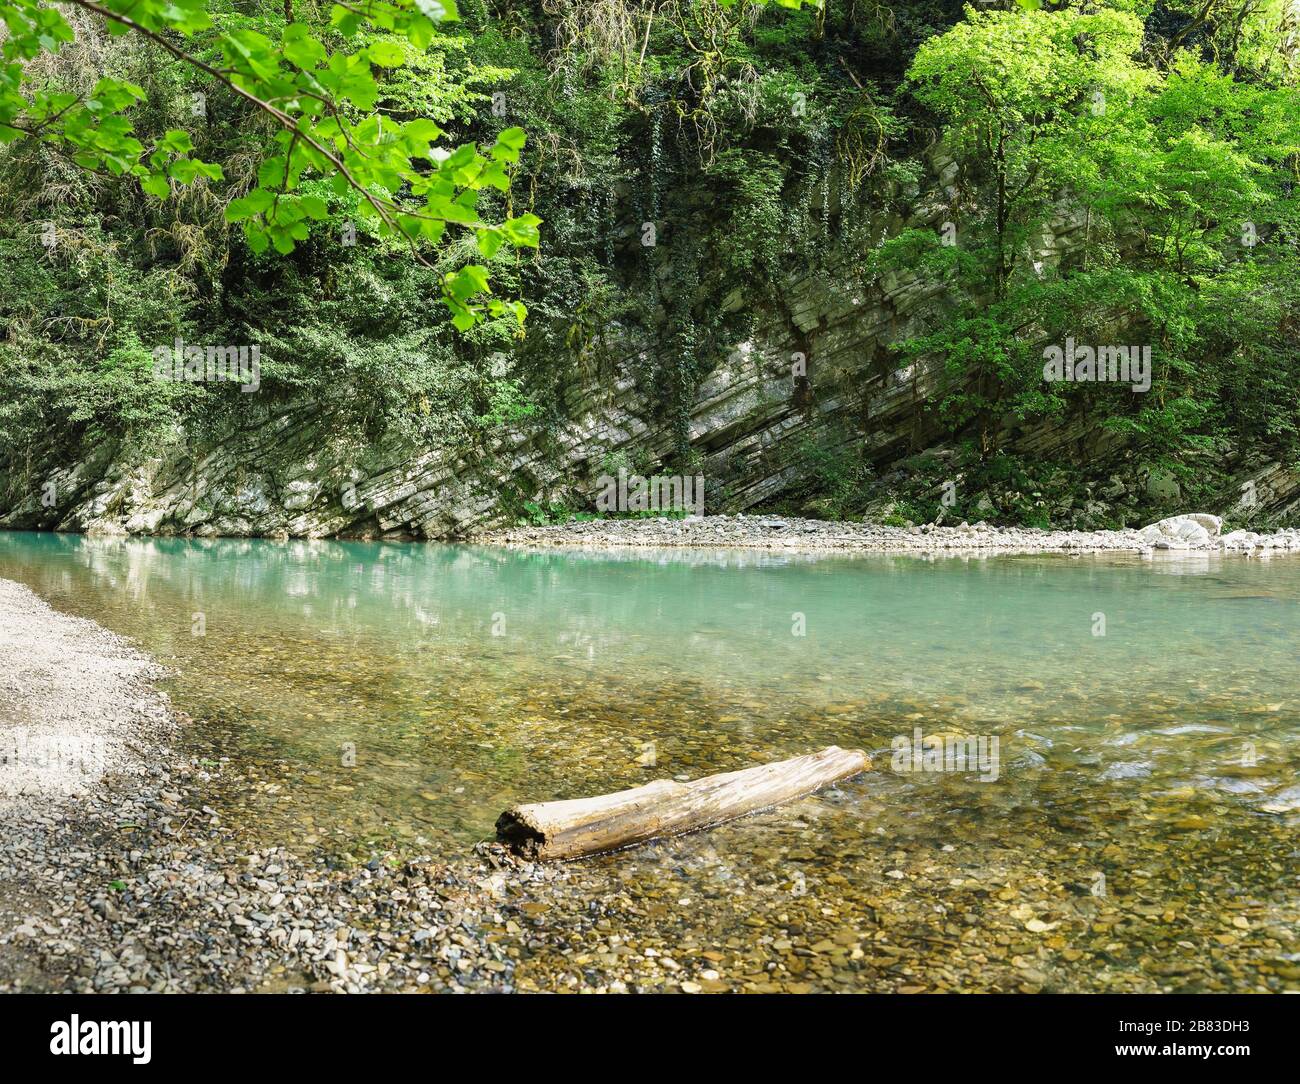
[
  {"x": 387, "y": 53},
  {"x": 183, "y": 170},
  {"x": 176, "y": 141},
  {"x": 494, "y": 176},
  {"x": 416, "y": 135},
  {"x": 315, "y": 207},
  {"x": 156, "y": 185},
  {"x": 300, "y": 48},
  {"x": 469, "y": 280},
  {"x": 257, "y": 201},
  {"x": 522, "y": 232},
  {"x": 271, "y": 173},
  {"x": 508, "y": 145},
  {"x": 345, "y": 21}
]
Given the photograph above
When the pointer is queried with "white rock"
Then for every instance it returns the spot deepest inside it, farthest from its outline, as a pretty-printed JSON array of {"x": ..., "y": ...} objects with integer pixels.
[
  {"x": 1240, "y": 540},
  {"x": 1194, "y": 528}
]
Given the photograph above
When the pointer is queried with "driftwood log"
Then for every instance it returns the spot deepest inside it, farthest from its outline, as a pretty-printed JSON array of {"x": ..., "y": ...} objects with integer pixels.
[{"x": 583, "y": 826}]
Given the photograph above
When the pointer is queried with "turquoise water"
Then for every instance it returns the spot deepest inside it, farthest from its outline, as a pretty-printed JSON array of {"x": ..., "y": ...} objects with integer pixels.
[
  {"x": 415, "y": 690},
  {"x": 1139, "y": 832}
]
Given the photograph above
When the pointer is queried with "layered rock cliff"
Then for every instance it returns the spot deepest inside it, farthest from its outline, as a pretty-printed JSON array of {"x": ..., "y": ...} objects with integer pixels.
[{"x": 754, "y": 423}]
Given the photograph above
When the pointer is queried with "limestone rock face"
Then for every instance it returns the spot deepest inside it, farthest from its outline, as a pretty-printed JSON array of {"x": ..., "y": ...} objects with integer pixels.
[{"x": 280, "y": 471}]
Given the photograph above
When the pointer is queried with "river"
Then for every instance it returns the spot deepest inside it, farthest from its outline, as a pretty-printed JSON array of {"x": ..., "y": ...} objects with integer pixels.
[{"x": 1130, "y": 818}]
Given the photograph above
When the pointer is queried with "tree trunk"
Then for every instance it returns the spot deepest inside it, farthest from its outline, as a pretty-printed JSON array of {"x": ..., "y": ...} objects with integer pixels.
[{"x": 582, "y": 826}]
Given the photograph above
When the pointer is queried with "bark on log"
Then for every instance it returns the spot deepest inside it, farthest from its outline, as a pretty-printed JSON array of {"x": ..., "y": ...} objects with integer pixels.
[{"x": 608, "y": 822}]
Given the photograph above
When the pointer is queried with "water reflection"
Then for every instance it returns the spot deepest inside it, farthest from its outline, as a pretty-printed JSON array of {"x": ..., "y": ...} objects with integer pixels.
[{"x": 466, "y": 677}]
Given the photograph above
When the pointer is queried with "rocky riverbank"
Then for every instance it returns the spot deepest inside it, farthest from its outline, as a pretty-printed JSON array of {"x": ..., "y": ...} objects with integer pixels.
[
  {"x": 144, "y": 888},
  {"x": 1191, "y": 532},
  {"x": 76, "y": 701},
  {"x": 116, "y": 874}
]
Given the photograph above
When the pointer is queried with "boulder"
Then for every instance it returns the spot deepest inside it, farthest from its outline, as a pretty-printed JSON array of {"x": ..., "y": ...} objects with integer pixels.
[
  {"x": 144, "y": 522},
  {"x": 1194, "y": 529},
  {"x": 1162, "y": 486},
  {"x": 1114, "y": 488},
  {"x": 1240, "y": 540}
]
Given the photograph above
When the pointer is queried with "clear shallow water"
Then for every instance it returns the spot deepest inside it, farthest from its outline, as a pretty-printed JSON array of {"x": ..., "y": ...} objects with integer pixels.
[
  {"x": 469, "y": 677},
  {"x": 1141, "y": 833}
]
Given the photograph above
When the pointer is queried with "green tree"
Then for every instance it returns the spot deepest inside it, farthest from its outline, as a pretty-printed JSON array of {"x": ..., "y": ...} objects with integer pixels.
[
  {"x": 1052, "y": 115},
  {"x": 1029, "y": 102},
  {"x": 322, "y": 102}
]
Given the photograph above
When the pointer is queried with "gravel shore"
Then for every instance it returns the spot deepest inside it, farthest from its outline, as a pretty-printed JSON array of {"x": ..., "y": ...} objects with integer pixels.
[
  {"x": 76, "y": 701},
  {"x": 793, "y": 534},
  {"x": 116, "y": 874}
]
